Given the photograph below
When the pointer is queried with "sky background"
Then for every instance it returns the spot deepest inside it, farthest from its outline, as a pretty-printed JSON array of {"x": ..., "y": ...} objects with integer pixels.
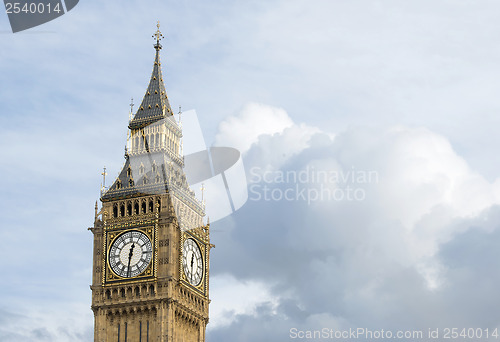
[{"x": 405, "y": 89}]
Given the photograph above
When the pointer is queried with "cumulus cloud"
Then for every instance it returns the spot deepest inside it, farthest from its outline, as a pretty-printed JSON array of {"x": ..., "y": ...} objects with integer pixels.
[
  {"x": 375, "y": 261},
  {"x": 254, "y": 120},
  {"x": 228, "y": 300}
]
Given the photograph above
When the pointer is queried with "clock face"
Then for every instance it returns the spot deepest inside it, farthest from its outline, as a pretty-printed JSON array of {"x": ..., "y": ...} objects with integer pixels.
[
  {"x": 192, "y": 262},
  {"x": 130, "y": 254}
]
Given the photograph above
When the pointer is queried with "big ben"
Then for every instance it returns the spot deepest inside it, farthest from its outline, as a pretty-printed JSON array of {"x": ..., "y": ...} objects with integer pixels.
[{"x": 151, "y": 246}]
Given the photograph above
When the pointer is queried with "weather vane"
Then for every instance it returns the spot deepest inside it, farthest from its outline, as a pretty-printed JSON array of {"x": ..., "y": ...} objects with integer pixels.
[{"x": 158, "y": 35}]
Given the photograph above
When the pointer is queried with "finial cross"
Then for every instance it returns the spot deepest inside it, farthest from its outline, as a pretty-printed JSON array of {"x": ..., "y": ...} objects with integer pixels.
[{"x": 158, "y": 34}]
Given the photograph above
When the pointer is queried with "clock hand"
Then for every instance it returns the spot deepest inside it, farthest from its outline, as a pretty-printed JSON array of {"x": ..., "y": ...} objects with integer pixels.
[
  {"x": 192, "y": 262},
  {"x": 130, "y": 258}
]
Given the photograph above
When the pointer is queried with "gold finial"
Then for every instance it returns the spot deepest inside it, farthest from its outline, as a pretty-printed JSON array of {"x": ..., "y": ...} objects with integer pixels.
[
  {"x": 104, "y": 177},
  {"x": 158, "y": 36}
]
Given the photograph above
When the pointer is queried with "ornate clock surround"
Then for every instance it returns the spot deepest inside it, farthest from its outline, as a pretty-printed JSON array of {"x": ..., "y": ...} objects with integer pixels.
[
  {"x": 109, "y": 276},
  {"x": 202, "y": 287}
]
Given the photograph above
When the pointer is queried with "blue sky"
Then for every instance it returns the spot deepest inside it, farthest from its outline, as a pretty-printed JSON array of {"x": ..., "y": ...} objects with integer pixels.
[{"x": 405, "y": 89}]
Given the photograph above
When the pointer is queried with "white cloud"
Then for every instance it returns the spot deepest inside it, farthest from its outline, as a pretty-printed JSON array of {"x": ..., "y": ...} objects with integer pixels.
[
  {"x": 231, "y": 297},
  {"x": 426, "y": 187},
  {"x": 423, "y": 169},
  {"x": 345, "y": 259},
  {"x": 254, "y": 120}
]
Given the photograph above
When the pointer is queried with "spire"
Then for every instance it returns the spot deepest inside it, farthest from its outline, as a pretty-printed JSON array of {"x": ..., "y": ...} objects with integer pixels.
[
  {"x": 154, "y": 105},
  {"x": 153, "y": 164}
]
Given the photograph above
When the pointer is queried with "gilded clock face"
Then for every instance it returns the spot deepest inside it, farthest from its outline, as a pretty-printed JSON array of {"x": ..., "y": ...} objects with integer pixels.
[
  {"x": 130, "y": 254},
  {"x": 192, "y": 262}
]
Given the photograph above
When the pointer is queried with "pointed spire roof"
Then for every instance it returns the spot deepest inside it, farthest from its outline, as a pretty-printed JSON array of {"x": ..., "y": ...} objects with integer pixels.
[{"x": 154, "y": 105}]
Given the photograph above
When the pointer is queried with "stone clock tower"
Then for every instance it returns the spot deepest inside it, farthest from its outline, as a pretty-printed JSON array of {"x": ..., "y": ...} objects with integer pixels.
[{"x": 151, "y": 247}]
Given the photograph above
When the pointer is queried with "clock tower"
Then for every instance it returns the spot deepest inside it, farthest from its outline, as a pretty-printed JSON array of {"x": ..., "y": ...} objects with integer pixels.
[{"x": 151, "y": 246}]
